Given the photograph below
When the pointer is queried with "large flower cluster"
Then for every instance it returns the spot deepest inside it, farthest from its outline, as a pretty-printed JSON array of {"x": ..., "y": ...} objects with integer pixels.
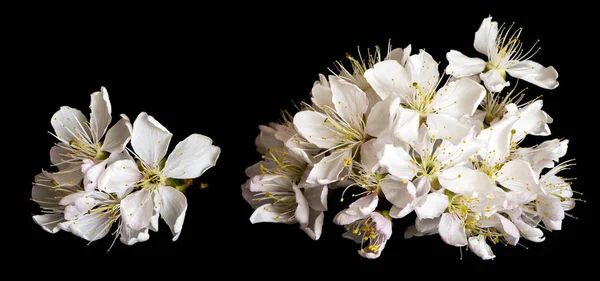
[
  {"x": 102, "y": 186},
  {"x": 446, "y": 146}
]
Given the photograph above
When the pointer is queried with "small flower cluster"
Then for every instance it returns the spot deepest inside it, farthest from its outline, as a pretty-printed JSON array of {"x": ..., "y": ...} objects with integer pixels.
[
  {"x": 102, "y": 186},
  {"x": 446, "y": 146}
]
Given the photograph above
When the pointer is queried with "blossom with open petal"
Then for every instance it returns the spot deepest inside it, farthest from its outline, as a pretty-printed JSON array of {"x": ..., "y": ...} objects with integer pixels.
[
  {"x": 85, "y": 143},
  {"x": 366, "y": 226},
  {"x": 428, "y": 157},
  {"x": 321, "y": 91},
  {"x": 91, "y": 216},
  {"x": 340, "y": 131},
  {"x": 505, "y": 54},
  {"x": 416, "y": 86},
  {"x": 155, "y": 179},
  {"x": 474, "y": 209},
  {"x": 278, "y": 199},
  {"x": 47, "y": 191}
]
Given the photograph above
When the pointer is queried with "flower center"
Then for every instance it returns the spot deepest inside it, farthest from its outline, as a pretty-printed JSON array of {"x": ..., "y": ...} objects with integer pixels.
[
  {"x": 509, "y": 50},
  {"x": 153, "y": 178},
  {"x": 422, "y": 100},
  {"x": 280, "y": 162},
  {"x": 462, "y": 207},
  {"x": 365, "y": 229},
  {"x": 80, "y": 149},
  {"x": 282, "y": 202}
]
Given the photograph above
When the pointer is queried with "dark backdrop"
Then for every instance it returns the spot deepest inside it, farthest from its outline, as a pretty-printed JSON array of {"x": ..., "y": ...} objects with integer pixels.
[{"x": 223, "y": 77}]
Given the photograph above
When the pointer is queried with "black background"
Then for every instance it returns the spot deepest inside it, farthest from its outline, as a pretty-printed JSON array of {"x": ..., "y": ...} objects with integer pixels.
[{"x": 224, "y": 76}]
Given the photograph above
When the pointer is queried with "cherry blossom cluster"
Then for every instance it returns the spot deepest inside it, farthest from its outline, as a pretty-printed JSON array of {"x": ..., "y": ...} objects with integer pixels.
[
  {"x": 399, "y": 137},
  {"x": 98, "y": 185}
]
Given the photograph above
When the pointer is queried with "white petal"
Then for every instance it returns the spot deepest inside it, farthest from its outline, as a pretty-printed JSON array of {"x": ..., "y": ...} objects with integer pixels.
[
  {"x": 427, "y": 226},
  {"x": 57, "y": 159},
  {"x": 398, "y": 162},
  {"x": 118, "y": 136},
  {"x": 371, "y": 153},
  {"x": 529, "y": 232},
  {"x": 317, "y": 197},
  {"x": 80, "y": 206},
  {"x": 478, "y": 246},
  {"x": 350, "y": 101},
  {"x": 517, "y": 175},
  {"x": 545, "y": 155},
  {"x": 382, "y": 116},
  {"x": 268, "y": 213},
  {"x": 382, "y": 225},
  {"x": 100, "y": 117},
  {"x": 452, "y": 231},
  {"x": 130, "y": 236},
  {"x": 423, "y": 70},
  {"x": 302, "y": 209},
  {"x": 463, "y": 180},
  {"x": 150, "y": 139},
  {"x": 511, "y": 231},
  {"x": 329, "y": 168},
  {"x": 399, "y": 212},
  {"x": 549, "y": 208},
  {"x": 552, "y": 225},
  {"x": 460, "y": 65},
  {"x": 91, "y": 227},
  {"x": 431, "y": 206},
  {"x": 172, "y": 208},
  {"x": 494, "y": 81},
  {"x": 271, "y": 183},
  {"x": 373, "y": 255},
  {"x": 266, "y": 139},
  {"x": 315, "y": 225},
  {"x": 313, "y": 127},
  {"x": 515, "y": 199},
  {"x": 119, "y": 177},
  {"x": 69, "y": 123},
  {"x": 406, "y": 125},
  {"x": 137, "y": 209},
  {"x": 459, "y": 98},
  {"x": 191, "y": 157},
  {"x": 532, "y": 120},
  {"x": 399, "y": 192},
  {"x": 485, "y": 37},
  {"x": 444, "y": 127},
  {"x": 400, "y": 55},
  {"x": 534, "y": 73},
  {"x": 359, "y": 209},
  {"x": 321, "y": 93},
  {"x": 49, "y": 222},
  {"x": 498, "y": 139},
  {"x": 389, "y": 78},
  {"x": 449, "y": 154},
  {"x": 249, "y": 195}
]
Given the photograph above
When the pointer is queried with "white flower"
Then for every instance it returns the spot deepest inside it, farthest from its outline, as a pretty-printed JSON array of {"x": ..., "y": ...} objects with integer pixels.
[
  {"x": 278, "y": 199},
  {"x": 427, "y": 157},
  {"x": 91, "y": 215},
  {"x": 47, "y": 191},
  {"x": 342, "y": 130},
  {"x": 473, "y": 210},
  {"x": 406, "y": 197},
  {"x": 154, "y": 178},
  {"x": 416, "y": 86},
  {"x": 321, "y": 91},
  {"x": 543, "y": 155},
  {"x": 366, "y": 226},
  {"x": 284, "y": 152},
  {"x": 505, "y": 54},
  {"x": 82, "y": 143}
]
